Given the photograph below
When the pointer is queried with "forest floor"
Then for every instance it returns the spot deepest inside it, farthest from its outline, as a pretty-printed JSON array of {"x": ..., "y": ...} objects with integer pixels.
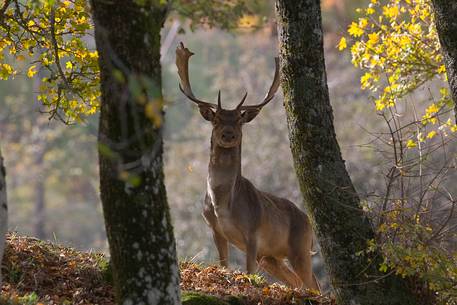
[{"x": 44, "y": 273}]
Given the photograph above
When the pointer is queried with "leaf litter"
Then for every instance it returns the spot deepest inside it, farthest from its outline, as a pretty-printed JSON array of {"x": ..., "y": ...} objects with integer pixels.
[{"x": 44, "y": 273}]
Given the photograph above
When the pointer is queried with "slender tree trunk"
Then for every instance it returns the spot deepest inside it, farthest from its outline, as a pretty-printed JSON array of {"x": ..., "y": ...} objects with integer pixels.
[
  {"x": 341, "y": 226},
  {"x": 3, "y": 212},
  {"x": 40, "y": 191},
  {"x": 446, "y": 25},
  {"x": 40, "y": 142},
  {"x": 140, "y": 234}
]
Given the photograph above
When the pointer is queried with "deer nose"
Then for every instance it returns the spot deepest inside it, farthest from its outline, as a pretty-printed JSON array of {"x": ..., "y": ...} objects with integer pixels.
[{"x": 228, "y": 136}]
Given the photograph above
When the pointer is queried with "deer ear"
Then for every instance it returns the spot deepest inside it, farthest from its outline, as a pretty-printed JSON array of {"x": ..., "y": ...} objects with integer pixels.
[
  {"x": 206, "y": 112},
  {"x": 249, "y": 115}
]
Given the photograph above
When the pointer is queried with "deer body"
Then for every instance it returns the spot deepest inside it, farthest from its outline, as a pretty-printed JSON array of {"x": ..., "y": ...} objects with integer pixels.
[
  {"x": 267, "y": 228},
  {"x": 237, "y": 210}
]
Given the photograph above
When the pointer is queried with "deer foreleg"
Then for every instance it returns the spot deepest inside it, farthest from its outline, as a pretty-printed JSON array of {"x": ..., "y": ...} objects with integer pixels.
[
  {"x": 222, "y": 248},
  {"x": 251, "y": 255}
]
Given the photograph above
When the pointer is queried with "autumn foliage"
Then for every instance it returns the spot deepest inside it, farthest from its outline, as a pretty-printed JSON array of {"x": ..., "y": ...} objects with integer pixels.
[{"x": 395, "y": 45}]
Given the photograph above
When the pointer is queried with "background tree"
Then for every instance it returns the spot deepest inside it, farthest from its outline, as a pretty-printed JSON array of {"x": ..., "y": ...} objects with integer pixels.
[
  {"x": 445, "y": 16},
  {"x": 3, "y": 212},
  {"x": 342, "y": 227}
]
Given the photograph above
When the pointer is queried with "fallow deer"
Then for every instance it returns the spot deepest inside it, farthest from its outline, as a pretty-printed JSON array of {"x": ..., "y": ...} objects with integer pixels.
[{"x": 267, "y": 228}]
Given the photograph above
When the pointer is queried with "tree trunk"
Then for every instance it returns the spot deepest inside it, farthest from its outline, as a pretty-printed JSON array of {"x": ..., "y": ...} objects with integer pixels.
[
  {"x": 334, "y": 207},
  {"x": 137, "y": 219},
  {"x": 3, "y": 212},
  {"x": 39, "y": 220},
  {"x": 40, "y": 142},
  {"x": 446, "y": 25}
]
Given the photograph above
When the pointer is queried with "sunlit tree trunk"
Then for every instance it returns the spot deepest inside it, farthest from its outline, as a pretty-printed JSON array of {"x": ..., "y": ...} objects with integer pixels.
[
  {"x": 446, "y": 25},
  {"x": 341, "y": 226},
  {"x": 3, "y": 211},
  {"x": 137, "y": 219}
]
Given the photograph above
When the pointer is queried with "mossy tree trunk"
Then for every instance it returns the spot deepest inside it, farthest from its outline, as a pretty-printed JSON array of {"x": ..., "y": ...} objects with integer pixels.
[
  {"x": 3, "y": 212},
  {"x": 341, "y": 226},
  {"x": 140, "y": 234},
  {"x": 446, "y": 25}
]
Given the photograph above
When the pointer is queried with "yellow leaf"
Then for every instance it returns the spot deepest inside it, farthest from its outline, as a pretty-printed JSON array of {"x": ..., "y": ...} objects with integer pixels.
[
  {"x": 93, "y": 54},
  {"x": 431, "y": 134},
  {"x": 32, "y": 71},
  {"x": 354, "y": 30},
  {"x": 5, "y": 71},
  {"x": 248, "y": 21},
  {"x": 441, "y": 69},
  {"x": 69, "y": 65},
  {"x": 73, "y": 104},
  {"x": 391, "y": 12},
  {"x": 364, "y": 80},
  {"x": 380, "y": 105},
  {"x": 370, "y": 11},
  {"x": 411, "y": 144},
  {"x": 363, "y": 22},
  {"x": 373, "y": 38},
  {"x": 444, "y": 91},
  {"x": 342, "y": 44},
  {"x": 432, "y": 109}
]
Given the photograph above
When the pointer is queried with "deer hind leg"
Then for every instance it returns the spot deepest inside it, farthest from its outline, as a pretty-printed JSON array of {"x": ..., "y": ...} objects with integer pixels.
[
  {"x": 222, "y": 248},
  {"x": 279, "y": 269},
  {"x": 301, "y": 263}
]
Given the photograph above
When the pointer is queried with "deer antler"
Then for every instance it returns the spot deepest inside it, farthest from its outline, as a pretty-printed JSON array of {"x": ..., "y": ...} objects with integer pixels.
[
  {"x": 271, "y": 93},
  {"x": 182, "y": 62}
]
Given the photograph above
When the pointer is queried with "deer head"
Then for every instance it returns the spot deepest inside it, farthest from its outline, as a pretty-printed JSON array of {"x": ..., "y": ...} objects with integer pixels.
[{"x": 226, "y": 123}]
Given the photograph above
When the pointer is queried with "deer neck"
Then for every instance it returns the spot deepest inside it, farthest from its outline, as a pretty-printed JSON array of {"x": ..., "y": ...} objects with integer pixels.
[{"x": 224, "y": 174}]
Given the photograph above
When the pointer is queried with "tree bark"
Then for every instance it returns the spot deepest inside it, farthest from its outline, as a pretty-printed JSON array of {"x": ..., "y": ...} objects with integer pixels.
[
  {"x": 333, "y": 205},
  {"x": 3, "y": 212},
  {"x": 137, "y": 219},
  {"x": 446, "y": 25}
]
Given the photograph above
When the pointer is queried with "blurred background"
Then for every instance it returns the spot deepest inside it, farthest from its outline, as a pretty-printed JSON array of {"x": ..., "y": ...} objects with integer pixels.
[{"x": 52, "y": 172}]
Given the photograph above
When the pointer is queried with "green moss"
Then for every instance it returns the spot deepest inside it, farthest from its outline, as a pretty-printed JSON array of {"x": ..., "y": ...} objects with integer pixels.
[
  {"x": 256, "y": 280},
  {"x": 105, "y": 269},
  {"x": 232, "y": 300},
  {"x": 192, "y": 298}
]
